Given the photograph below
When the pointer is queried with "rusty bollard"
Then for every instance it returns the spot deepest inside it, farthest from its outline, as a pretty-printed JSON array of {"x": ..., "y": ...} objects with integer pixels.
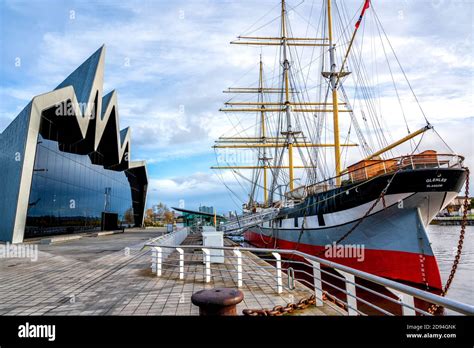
[{"x": 218, "y": 301}]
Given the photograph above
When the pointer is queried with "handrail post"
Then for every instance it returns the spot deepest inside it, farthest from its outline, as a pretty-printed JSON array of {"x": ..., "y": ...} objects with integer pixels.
[
  {"x": 291, "y": 278},
  {"x": 153, "y": 259},
  {"x": 405, "y": 299},
  {"x": 278, "y": 268},
  {"x": 317, "y": 283},
  {"x": 459, "y": 307},
  {"x": 159, "y": 260},
  {"x": 351, "y": 293},
  {"x": 207, "y": 261},
  {"x": 238, "y": 253},
  {"x": 409, "y": 300},
  {"x": 181, "y": 263}
]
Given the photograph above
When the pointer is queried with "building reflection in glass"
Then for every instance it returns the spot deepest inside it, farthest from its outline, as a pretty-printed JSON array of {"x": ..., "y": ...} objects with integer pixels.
[{"x": 69, "y": 193}]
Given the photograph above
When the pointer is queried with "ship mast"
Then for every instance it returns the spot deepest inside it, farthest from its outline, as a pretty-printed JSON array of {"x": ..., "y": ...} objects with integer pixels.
[
  {"x": 264, "y": 158},
  {"x": 287, "y": 106},
  {"x": 335, "y": 77},
  {"x": 335, "y": 109},
  {"x": 286, "y": 71}
]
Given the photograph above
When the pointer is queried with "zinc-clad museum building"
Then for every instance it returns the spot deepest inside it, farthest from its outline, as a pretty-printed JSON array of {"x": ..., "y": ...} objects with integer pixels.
[{"x": 66, "y": 165}]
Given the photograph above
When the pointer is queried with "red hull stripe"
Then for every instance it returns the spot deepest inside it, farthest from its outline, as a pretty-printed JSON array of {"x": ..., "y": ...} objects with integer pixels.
[{"x": 396, "y": 265}]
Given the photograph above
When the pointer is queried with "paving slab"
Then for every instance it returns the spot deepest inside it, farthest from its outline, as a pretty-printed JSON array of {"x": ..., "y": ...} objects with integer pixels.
[{"x": 111, "y": 275}]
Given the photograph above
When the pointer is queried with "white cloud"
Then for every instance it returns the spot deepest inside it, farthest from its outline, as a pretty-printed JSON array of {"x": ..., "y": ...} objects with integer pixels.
[
  {"x": 198, "y": 188},
  {"x": 180, "y": 61}
]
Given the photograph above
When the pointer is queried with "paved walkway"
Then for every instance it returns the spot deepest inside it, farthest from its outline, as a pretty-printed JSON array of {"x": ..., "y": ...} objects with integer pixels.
[{"x": 111, "y": 275}]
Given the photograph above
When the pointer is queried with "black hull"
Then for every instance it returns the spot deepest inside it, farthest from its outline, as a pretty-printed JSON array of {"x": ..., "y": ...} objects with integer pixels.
[{"x": 355, "y": 194}]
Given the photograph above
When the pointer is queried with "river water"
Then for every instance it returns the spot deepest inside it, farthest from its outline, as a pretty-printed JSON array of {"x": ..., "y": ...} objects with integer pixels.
[{"x": 444, "y": 240}]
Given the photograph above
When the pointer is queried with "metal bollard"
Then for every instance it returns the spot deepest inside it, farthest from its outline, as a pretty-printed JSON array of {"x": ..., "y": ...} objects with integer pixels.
[{"x": 218, "y": 301}]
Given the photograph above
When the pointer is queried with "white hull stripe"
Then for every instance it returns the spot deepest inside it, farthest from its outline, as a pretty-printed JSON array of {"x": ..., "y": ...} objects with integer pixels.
[{"x": 340, "y": 217}]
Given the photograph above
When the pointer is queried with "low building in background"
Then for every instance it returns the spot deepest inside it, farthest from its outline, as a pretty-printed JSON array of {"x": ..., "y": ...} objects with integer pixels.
[
  {"x": 65, "y": 164},
  {"x": 456, "y": 207},
  {"x": 192, "y": 218}
]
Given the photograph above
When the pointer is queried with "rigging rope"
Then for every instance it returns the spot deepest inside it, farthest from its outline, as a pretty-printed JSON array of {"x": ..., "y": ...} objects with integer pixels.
[{"x": 401, "y": 68}]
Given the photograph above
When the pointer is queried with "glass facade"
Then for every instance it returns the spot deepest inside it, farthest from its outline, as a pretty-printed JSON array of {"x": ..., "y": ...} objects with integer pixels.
[
  {"x": 12, "y": 148},
  {"x": 70, "y": 194}
]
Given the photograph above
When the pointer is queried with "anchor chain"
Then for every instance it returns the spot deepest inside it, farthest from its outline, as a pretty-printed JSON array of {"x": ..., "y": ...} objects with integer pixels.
[
  {"x": 434, "y": 307},
  {"x": 280, "y": 310},
  {"x": 367, "y": 213},
  {"x": 291, "y": 307},
  {"x": 303, "y": 303}
]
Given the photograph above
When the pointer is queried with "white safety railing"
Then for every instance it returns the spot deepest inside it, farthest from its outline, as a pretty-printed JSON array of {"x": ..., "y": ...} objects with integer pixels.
[
  {"x": 173, "y": 238},
  {"x": 314, "y": 272}
]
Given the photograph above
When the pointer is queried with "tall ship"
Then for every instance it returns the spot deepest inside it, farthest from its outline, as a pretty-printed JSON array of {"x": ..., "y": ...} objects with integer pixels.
[{"x": 330, "y": 147}]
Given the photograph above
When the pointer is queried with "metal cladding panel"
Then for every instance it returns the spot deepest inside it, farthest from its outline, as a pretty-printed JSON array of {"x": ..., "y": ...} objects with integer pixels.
[
  {"x": 12, "y": 150},
  {"x": 105, "y": 102},
  {"x": 82, "y": 79},
  {"x": 77, "y": 133},
  {"x": 138, "y": 179}
]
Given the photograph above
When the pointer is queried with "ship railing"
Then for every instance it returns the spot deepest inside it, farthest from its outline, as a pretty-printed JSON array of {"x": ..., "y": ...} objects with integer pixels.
[
  {"x": 250, "y": 220},
  {"x": 387, "y": 166},
  {"x": 347, "y": 290}
]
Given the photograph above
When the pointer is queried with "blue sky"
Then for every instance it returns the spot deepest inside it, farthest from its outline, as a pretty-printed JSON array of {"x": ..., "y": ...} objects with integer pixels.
[{"x": 170, "y": 61}]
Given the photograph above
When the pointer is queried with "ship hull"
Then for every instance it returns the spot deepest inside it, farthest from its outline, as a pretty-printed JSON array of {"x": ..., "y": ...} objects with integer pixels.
[{"x": 390, "y": 242}]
